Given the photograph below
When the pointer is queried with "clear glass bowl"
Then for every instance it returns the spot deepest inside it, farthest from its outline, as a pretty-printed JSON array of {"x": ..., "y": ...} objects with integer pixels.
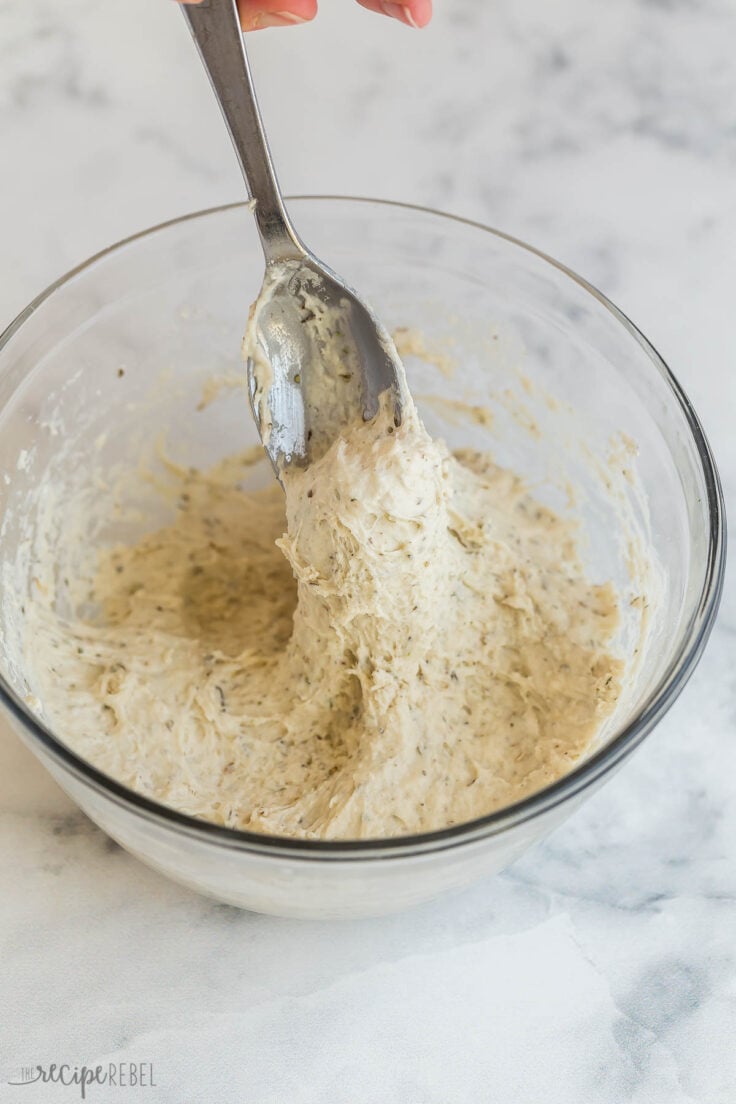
[{"x": 565, "y": 374}]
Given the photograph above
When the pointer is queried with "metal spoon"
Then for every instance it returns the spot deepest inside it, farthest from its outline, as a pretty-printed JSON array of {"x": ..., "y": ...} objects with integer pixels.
[{"x": 317, "y": 356}]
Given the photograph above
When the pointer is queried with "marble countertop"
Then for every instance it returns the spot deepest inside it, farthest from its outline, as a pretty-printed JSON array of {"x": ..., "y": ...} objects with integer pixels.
[{"x": 602, "y": 966}]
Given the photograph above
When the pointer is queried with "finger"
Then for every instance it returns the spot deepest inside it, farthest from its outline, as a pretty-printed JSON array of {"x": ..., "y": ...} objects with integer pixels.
[
  {"x": 258, "y": 14},
  {"x": 414, "y": 13}
]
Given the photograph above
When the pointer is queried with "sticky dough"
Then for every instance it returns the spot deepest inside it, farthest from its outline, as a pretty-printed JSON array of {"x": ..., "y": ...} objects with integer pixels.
[{"x": 404, "y": 641}]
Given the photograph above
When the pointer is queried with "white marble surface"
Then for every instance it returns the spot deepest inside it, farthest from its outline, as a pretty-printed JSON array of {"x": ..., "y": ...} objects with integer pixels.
[{"x": 602, "y": 967}]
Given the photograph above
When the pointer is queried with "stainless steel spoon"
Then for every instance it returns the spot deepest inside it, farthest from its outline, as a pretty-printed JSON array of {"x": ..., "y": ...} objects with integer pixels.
[{"x": 318, "y": 357}]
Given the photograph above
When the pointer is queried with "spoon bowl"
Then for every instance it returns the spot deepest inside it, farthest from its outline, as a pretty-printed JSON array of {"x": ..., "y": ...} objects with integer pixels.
[{"x": 317, "y": 359}]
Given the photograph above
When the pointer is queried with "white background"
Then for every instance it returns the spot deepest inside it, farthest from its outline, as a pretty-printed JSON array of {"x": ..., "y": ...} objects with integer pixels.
[{"x": 602, "y": 967}]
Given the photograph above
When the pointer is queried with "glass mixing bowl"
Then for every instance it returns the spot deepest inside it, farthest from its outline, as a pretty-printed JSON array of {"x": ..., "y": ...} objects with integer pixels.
[{"x": 581, "y": 405}]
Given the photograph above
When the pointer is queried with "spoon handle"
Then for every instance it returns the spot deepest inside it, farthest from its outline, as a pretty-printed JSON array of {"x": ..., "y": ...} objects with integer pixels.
[{"x": 215, "y": 27}]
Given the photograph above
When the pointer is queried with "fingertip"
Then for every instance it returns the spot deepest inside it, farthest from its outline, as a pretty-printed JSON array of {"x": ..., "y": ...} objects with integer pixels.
[
  {"x": 258, "y": 14},
  {"x": 415, "y": 13},
  {"x": 421, "y": 12}
]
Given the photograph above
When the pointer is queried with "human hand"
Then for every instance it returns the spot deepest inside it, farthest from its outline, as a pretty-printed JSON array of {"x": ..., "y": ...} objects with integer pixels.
[{"x": 255, "y": 14}]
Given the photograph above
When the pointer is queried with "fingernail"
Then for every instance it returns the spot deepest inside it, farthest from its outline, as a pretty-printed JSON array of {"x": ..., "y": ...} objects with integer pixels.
[
  {"x": 276, "y": 19},
  {"x": 400, "y": 12}
]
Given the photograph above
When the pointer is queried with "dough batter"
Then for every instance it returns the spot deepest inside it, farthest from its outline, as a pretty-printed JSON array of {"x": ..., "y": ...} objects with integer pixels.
[{"x": 418, "y": 648}]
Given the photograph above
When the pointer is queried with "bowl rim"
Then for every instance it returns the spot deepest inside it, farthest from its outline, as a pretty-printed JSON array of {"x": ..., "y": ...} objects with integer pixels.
[{"x": 583, "y": 775}]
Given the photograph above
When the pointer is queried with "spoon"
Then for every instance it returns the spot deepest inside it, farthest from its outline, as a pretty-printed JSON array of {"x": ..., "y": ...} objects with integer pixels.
[{"x": 318, "y": 358}]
